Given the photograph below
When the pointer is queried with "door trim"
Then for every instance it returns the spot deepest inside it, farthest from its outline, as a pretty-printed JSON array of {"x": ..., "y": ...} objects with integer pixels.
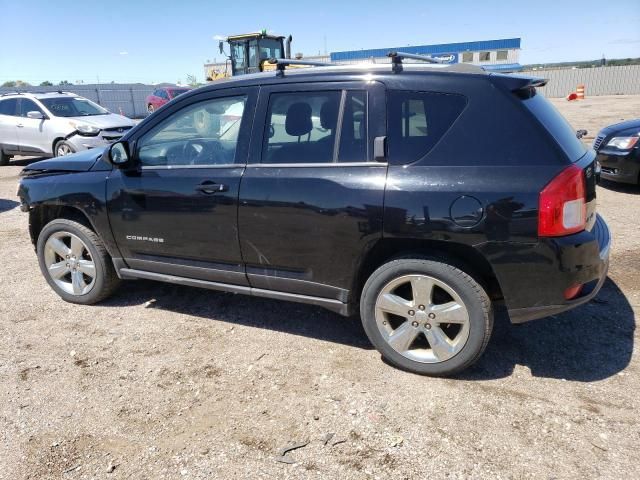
[{"x": 336, "y": 306}]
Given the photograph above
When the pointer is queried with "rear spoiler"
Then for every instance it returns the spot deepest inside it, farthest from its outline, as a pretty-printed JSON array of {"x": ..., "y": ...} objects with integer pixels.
[{"x": 518, "y": 83}]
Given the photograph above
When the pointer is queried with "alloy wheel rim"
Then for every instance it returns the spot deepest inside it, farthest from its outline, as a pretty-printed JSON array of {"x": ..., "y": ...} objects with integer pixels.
[
  {"x": 422, "y": 318},
  {"x": 63, "y": 150},
  {"x": 69, "y": 263}
]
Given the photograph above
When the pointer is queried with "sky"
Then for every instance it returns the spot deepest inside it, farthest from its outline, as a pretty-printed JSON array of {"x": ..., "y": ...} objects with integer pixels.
[{"x": 164, "y": 41}]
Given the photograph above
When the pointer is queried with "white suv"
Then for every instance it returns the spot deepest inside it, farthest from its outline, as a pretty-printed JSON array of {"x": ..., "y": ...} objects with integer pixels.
[{"x": 55, "y": 124}]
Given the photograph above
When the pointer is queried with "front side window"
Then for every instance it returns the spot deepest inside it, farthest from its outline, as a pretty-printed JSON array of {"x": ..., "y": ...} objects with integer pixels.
[
  {"x": 9, "y": 107},
  {"x": 417, "y": 121},
  {"x": 237, "y": 55},
  {"x": 73, "y": 107},
  {"x": 27, "y": 106},
  {"x": 485, "y": 56},
  {"x": 205, "y": 133}
]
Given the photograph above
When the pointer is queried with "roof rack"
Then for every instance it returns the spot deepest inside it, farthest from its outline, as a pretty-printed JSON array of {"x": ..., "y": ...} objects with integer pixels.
[
  {"x": 396, "y": 59},
  {"x": 282, "y": 63},
  {"x": 10, "y": 93}
]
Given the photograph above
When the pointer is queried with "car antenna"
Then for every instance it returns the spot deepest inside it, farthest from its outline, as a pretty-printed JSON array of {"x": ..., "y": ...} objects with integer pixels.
[{"x": 396, "y": 59}]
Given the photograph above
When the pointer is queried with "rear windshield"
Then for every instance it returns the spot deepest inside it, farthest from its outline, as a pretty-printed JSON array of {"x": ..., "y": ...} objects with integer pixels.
[{"x": 556, "y": 124}]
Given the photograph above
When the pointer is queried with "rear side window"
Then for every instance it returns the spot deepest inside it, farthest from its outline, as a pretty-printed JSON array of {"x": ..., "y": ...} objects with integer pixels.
[
  {"x": 8, "y": 107},
  {"x": 417, "y": 121},
  {"x": 305, "y": 127},
  {"x": 556, "y": 125}
]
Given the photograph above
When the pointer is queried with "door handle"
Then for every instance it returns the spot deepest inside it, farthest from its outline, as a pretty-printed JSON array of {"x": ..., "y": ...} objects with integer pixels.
[
  {"x": 19, "y": 125},
  {"x": 210, "y": 187}
]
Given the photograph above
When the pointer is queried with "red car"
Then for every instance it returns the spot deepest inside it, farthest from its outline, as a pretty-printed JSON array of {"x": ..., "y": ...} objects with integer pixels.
[{"x": 161, "y": 96}]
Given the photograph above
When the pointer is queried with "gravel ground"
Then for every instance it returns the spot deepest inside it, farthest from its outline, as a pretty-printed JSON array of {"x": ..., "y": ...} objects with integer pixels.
[{"x": 169, "y": 382}]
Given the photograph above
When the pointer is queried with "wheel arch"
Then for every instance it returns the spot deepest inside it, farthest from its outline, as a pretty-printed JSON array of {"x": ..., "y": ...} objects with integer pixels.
[
  {"x": 42, "y": 214},
  {"x": 55, "y": 141},
  {"x": 463, "y": 256}
]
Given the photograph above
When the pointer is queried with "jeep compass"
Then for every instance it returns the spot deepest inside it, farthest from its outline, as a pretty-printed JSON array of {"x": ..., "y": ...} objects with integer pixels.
[{"x": 415, "y": 196}]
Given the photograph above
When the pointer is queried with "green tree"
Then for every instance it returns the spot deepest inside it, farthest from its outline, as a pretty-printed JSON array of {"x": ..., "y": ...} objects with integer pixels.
[
  {"x": 46, "y": 83},
  {"x": 64, "y": 83},
  {"x": 16, "y": 83}
]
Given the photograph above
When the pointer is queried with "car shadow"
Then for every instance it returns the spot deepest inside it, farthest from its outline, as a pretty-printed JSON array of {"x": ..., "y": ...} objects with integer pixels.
[
  {"x": 619, "y": 187},
  {"x": 6, "y": 205},
  {"x": 592, "y": 342},
  {"x": 287, "y": 317}
]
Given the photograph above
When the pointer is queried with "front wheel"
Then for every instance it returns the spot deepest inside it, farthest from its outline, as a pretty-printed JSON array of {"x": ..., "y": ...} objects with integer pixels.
[
  {"x": 63, "y": 148},
  {"x": 75, "y": 262},
  {"x": 426, "y": 316}
]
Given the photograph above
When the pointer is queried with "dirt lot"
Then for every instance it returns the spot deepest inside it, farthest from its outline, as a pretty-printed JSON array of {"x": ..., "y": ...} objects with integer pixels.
[{"x": 170, "y": 382}]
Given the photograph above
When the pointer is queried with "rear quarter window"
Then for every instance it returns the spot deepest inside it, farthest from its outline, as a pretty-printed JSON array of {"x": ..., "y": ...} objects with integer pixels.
[
  {"x": 556, "y": 125},
  {"x": 417, "y": 121}
]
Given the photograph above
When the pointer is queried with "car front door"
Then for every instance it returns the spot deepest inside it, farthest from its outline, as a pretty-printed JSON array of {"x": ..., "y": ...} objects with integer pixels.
[
  {"x": 174, "y": 211},
  {"x": 32, "y": 133},
  {"x": 311, "y": 198},
  {"x": 8, "y": 124}
]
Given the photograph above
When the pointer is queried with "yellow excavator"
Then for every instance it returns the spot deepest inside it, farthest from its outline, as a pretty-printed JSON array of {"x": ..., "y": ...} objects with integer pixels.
[{"x": 250, "y": 52}]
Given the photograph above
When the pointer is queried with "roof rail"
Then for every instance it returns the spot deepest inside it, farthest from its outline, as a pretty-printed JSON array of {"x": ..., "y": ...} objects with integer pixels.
[
  {"x": 282, "y": 63},
  {"x": 10, "y": 93},
  {"x": 396, "y": 59}
]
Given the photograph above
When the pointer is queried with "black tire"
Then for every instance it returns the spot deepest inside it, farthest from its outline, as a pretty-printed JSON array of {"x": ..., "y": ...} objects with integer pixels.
[
  {"x": 474, "y": 297},
  {"x": 4, "y": 158},
  {"x": 106, "y": 279},
  {"x": 62, "y": 144}
]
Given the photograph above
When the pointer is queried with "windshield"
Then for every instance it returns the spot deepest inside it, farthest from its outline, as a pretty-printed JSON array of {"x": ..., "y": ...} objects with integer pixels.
[
  {"x": 72, "y": 107},
  {"x": 556, "y": 125}
]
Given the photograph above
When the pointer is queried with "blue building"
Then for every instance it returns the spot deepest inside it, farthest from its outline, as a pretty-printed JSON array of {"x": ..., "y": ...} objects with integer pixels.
[{"x": 496, "y": 55}]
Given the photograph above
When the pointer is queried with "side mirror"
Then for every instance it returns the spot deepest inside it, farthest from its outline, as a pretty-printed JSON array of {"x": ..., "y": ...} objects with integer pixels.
[
  {"x": 221, "y": 47},
  {"x": 118, "y": 154},
  {"x": 35, "y": 115}
]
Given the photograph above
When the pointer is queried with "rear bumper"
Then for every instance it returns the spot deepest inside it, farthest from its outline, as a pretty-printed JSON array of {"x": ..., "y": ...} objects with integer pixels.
[
  {"x": 621, "y": 167},
  {"x": 534, "y": 277}
]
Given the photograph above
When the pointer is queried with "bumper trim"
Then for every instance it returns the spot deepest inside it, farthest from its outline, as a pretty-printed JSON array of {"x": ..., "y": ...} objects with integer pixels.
[{"x": 522, "y": 315}]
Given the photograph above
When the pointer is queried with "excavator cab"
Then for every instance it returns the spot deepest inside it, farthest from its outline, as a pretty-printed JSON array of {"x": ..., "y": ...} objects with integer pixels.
[{"x": 248, "y": 52}]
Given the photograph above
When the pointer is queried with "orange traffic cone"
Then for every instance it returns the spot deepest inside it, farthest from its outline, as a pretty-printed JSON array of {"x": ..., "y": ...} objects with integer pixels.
[{"x": 580, "y": 91}]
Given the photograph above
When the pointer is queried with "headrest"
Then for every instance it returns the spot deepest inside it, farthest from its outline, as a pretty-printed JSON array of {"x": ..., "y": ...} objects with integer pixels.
[
  {"x": 329, "y": 115},
  {"x": 298, "y": 120}
]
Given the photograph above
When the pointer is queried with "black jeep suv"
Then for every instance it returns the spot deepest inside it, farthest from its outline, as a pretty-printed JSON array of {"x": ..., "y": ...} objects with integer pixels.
[{"x": 417, "y": 197}]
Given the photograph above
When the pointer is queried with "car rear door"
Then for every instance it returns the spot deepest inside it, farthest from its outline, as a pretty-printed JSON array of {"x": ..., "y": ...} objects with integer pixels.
[
  {"x": 8, "y": 124},
  {"x": 175, "y": 213},
  {"x": 311, "y": 198}
]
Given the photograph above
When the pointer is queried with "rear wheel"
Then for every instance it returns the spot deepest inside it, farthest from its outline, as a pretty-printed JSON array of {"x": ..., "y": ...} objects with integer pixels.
[
  {"x": 426, "y": 316},
  {"x": 75, "y": 263},
  {"x": 63, "y": 148},
  {"x": 4, "y": 158}
]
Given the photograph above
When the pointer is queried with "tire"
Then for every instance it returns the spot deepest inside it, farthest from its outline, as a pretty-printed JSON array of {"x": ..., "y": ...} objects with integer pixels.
[
  {"x": 467, "y": 318},
  {"x": 4, "y": 158},
  {"x": 150, "y": 109},
  {"x": 58, "y": 239},
  {"x": 63, "y": 148}
]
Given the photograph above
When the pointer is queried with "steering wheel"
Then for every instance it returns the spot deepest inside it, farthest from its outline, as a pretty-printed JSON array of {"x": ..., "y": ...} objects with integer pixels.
[{"x": 203, "y": 152}]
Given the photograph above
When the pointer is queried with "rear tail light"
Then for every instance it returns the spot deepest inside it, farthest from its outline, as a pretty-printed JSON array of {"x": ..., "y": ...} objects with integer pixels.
[{"x": 563, "y": 206}]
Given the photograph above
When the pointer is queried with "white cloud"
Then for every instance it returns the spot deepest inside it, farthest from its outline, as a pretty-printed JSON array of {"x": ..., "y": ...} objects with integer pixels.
[{"x": 123, "y": 53}]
